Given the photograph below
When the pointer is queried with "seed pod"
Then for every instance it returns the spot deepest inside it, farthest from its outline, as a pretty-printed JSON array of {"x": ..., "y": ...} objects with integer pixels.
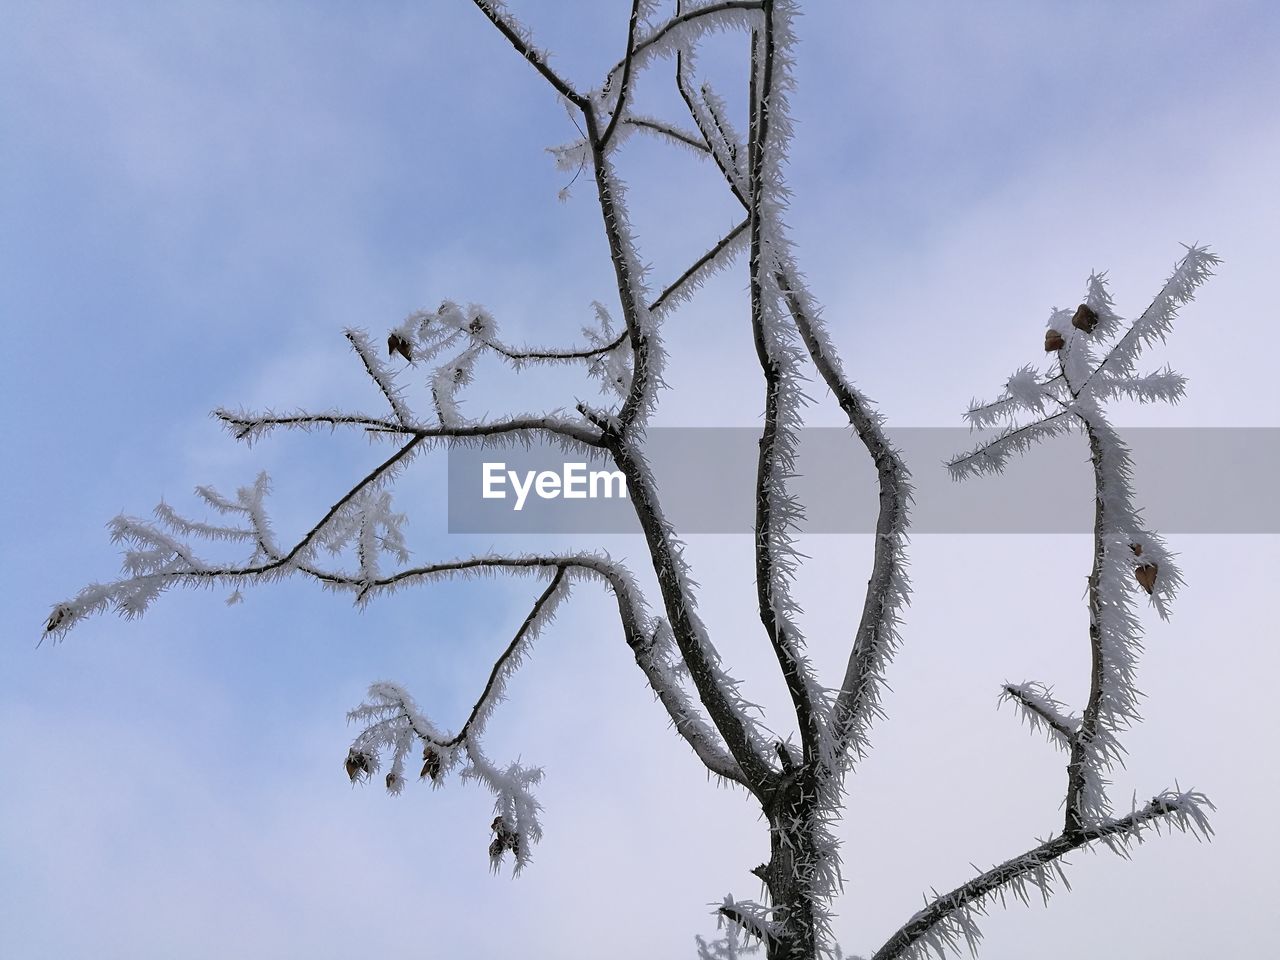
[
  {"x": 1136, "y": 548},
  {"x": 430, "y": 765},
  {"x": 358, "y": 763},
  {"x": 398, "y": 344},
  {"x": 393, "y": 782},
  {"x": 506, "y": 836},
  {"x": 59, "y": 614},
  {"x": 1146, "y": 574},
  {"x": 495, "y": 849},
  {"x": 1053, "y": 341},
  {"x": 1086, "y": 318}
]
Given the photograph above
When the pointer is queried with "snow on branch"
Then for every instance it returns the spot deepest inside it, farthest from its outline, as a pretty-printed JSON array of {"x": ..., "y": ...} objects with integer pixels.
[
  {"x": 628, "y": 64},
  {"x": 358, "y": 545},
  {"x": 708, "y": 113},
  {"x": 1126, "y": 557},
  {"x": 1027, "y": 390},
  {"x": 747, "y": 928},
  {"x": 778, "y": 513},
  {"x": 521, "y": 39},
  {"x": 1163, "y": 385},
  {"x": 994, "y": 455},
  {"x": 1042, "y": 711},
  {"x": 1193, "y": 270},
  {"x": 950, "y": 920},
  {"x": 693, "y": 20},
  {"x": 393, "y": 727},
  {"x": 381, "y": 375},
  {"x": 669, "y": 132},
  {"x": 889, "y": 589},
  {"x": 363, "y": 524}
]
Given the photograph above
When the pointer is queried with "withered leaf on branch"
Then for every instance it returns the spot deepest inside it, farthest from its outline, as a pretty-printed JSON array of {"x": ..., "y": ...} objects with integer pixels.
[
  {"x": 1086, "y": 318},
  {"x": 398, "y": 344},
  {"x": 430, "y": 765},
  {"x": 357, "y": 764},
  {"x": 1146, "y": 575},
  {"x": 506, "y": 839}
]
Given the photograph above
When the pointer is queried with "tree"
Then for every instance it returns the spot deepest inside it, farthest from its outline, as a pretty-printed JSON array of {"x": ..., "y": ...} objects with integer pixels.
[{"x": 798, "y": 786}]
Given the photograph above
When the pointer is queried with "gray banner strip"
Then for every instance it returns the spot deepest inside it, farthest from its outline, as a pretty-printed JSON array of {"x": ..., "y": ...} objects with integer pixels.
[{"x": 1189, "y": 480}]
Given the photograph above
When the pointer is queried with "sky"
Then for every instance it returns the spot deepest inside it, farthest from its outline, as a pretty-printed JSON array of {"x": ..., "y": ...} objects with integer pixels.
[{"x": 197, "y": 198}]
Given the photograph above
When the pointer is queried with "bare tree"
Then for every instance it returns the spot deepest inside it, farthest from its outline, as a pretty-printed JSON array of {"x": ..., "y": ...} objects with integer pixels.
[{"x": 357, "y": 545}]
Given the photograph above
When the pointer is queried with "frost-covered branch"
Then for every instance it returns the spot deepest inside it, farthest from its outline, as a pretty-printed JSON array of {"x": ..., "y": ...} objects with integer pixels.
[
  {"x": 748, "y": 920},
  {"x": 993, "y": 455},
  {"x": 679, "y": 290},
  {"x": 690, "y": 21},
  {"x": 669, "y": 132},
  {"x": 777, "y": 511},
  {"x": 716, "y": 690},
  {"x": 1194, "y": 269},
  {"x": 1126, "y": 556},
  {"x": 394, "y": 726},
  {"x": 888, "y": 588},
  {"x": 520, "y": 38},
  {"x": 1043, "y": 711},
  {"x": 718, "y": 141},
  {"x": 950, "y": 920},
  {"x": 357, "y": 546},
  {"x": 1026, "y": 391},
  {"x": 624, "y": 87}
]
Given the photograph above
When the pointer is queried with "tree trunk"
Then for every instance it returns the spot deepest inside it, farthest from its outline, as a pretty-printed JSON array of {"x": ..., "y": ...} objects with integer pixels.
[{"x": 793, "y": 853}]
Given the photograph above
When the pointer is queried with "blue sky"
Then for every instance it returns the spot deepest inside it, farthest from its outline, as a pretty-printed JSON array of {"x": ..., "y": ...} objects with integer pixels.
[{"x": 197, "y": 198}]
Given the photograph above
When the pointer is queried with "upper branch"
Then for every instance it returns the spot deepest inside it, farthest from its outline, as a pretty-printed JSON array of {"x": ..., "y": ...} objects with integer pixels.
[
  {"x": 662, "y": 35},
  {"x": 625, "y": 88},
  {"x": 887, "y": 587},
  {"x": 716, "y": 689},
  {"x": 1194, "y": 269},
  {"x": 673, "y": 292},
  {"x": 775, "y": 512},
  {"x": 520, "y": 39},
  {"x": 667, "y": 130},
  {"x": 723, "y": 150},
  {"x": 949, "y": 917}
]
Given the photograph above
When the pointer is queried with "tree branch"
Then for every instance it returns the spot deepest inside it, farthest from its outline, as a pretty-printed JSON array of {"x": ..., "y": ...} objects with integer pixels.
[
  {"x": 1182, "y": 811},
  {"x": 506, "y": 654},
  {"x": 716, "y": 690},
  {"x": 518, "y": 37},
  {"x": 776, "y": 439},
  {"x": 625, "y": 88},
  {"x": 887, "y": 586},
  {"x": 671, "y": 293},
  {"x": 667, "y": 130},
  {"x": 992, "y": 455},
  {"x": 682, "y": 19}
]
